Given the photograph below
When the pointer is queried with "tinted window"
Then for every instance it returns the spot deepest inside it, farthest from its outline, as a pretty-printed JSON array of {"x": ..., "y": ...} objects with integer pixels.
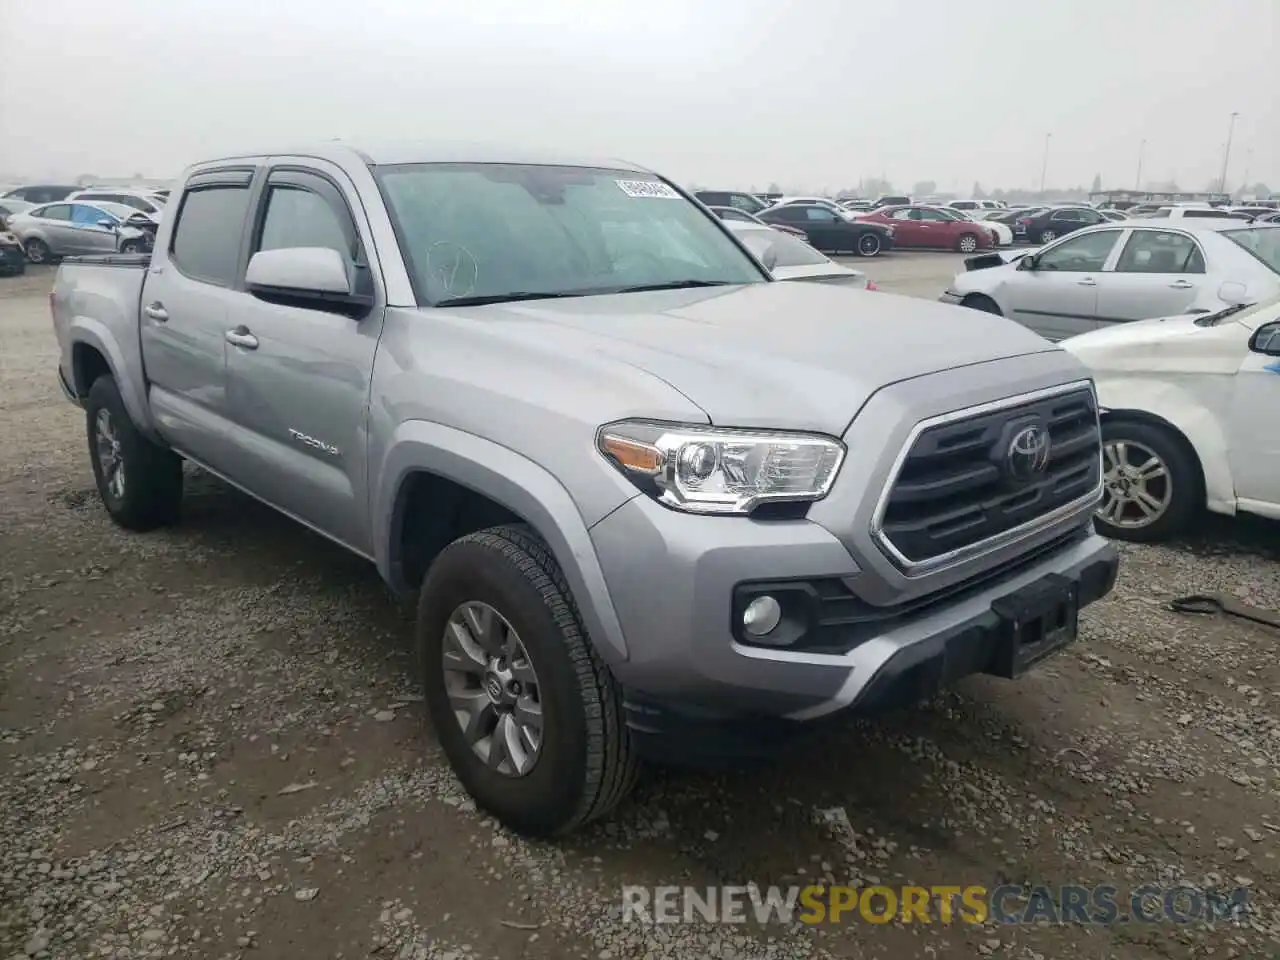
[
  {"x": 300, "y": 218},
  {"x": 1157, "y": 251},
  {"x": 206, "y": 240},
  {"x": 787, "y": 214},
  {"x": 818, "y": 213},
  {"x": 1080, "y": 254},
  {"x": 1205, "y": 213},
  {"x": 86, "y": 215},
  {"x": 57, "y": 211}
]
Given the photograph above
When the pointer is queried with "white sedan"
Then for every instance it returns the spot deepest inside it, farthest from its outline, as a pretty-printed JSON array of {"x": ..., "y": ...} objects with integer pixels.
[
  {"x": 1188, "y": 418},
  {"x": 1118, "y": 272},
  {"x": 1001, "y": 234}
]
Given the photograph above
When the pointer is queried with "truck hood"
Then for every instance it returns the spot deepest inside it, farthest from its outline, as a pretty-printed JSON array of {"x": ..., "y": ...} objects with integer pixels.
[{"x": 803, "y": 356}]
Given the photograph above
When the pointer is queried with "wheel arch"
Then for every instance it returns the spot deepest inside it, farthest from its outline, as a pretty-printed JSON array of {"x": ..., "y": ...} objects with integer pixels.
[
  {"x": 1214, "y": 471},
  {"x": 468, "y": 481}
]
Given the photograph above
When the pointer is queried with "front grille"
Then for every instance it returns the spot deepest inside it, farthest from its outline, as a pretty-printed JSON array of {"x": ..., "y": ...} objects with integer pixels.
[{"x": 956, "y": 489}]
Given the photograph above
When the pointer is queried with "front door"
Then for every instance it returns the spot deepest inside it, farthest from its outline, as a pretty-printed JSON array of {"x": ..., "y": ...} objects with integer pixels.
[
  {"x": 298, "y": 377},
  {"x": 908, "y": 228},
  {"x": 1254, "y": 442},
  {"x": 1160, "y": 273},
  {"x": 825, "y": 229},
  {"x": 1059, "y": 297},
  {"x": 89, "y": 236},
  {"x": 186, "y": 298}
]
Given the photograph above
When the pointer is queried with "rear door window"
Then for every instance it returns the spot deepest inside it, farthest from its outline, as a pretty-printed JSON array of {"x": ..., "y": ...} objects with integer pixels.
[
  {"x": 56, "y": 211},
  {"x": 1159, "y": 251},
  {"x": 206, "y": 238}
]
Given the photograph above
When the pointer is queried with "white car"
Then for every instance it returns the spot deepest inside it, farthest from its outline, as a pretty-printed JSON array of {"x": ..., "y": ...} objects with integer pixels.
[
  {"x": 1188, "y": 418},
  {"x": 1001, "y": 234},
  {"x": 790, "y": 258},
  {"x": 1118, "y": 272},
  {"x": 1189, "y": 211},
  {"x": 143, "y": 200}
]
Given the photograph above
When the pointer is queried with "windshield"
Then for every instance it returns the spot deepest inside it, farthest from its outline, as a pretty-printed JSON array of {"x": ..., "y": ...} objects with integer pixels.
[
  {"x": 1262, "y": 242},
  {"x": 473, "y": 231},
  {"x": 789, "y": 251}
]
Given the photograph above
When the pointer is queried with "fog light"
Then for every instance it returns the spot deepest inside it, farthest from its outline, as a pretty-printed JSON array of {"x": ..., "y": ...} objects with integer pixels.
[{"x": 761, "y": 616}]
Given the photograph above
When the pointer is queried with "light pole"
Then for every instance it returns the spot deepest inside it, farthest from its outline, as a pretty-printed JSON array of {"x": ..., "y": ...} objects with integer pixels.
[
  {"x": 1226, "y": 154},
  {"x": 1137, "y": 181},
  {"x": 1044, "y": 167}
]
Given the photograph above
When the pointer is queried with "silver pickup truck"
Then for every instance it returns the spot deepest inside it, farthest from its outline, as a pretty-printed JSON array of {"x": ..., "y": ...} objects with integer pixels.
[{"x": 651, "y": 502}]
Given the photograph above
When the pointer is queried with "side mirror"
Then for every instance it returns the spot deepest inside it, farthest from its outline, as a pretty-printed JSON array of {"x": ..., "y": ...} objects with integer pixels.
[
  {"x": 1233, "y": 293},
  {"x": 1027, "y": 263},
  {"x": 314, "y": 277},
  {"x": 107, "y": 224},
  {"x": 1266, "y": 339}
]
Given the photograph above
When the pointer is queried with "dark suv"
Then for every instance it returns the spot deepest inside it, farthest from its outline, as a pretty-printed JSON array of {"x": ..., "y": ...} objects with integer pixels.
[{"x": 1046, "y": 226}]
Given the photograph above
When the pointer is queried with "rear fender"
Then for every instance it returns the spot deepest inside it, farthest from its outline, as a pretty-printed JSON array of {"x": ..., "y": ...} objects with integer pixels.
[{"x": 128, "y": 376}]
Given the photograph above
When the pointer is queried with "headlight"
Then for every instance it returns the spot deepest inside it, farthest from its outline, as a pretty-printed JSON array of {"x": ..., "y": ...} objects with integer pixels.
[{"x": 709, "y": 470}]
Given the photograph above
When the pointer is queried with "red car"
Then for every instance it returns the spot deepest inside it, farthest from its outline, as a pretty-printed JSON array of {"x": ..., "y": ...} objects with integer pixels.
[{"x": 917, "y": 226}]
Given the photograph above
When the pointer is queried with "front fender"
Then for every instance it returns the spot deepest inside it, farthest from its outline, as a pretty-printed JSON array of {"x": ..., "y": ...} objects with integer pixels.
[
  {"x": 1181, "y": 409},
  {"x": 516, "y": 483},
  {"x": 129, "y": 379}
]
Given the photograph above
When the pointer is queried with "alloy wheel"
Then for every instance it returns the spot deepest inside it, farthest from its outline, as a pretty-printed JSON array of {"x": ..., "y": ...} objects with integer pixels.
[
  {"x": 493, "y": 689},
  {"x": 106, "y": 445},
  {"x": 1137, "y": 487}
]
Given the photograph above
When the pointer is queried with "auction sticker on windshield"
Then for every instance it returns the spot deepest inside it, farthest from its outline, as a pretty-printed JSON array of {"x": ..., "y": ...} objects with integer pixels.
[{"x": 647, "y": 188}]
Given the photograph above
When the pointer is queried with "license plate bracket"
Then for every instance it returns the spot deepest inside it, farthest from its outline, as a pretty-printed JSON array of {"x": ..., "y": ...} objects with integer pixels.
[{"x": 1036, "y": 621}]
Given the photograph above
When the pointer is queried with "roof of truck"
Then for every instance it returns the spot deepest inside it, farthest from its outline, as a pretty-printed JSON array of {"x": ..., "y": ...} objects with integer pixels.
[{"x": 396, "y": 152}]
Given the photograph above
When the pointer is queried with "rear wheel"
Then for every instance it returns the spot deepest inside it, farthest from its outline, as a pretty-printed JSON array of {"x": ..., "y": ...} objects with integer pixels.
[
  {"x": 978, "y": 301},
  {"x": 967, "y": 243},
  {"x": 140, "y": 483},
  {"x": 528, "y": 715},
  {"x": 1048, "y": 236},
  {"x": 869, "y": 245},
  {"x": 37, "y": 250},
  {"x": 1152, "y": 487}
]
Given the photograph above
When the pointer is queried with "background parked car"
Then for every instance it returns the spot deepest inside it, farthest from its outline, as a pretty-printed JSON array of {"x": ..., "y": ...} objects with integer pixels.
[
  {"x": 789, "y": 258},
  {"x": 1114, "y": 215},
  {"x": 1053, "y": 222},
  {"x": 8, "y": 206},
  {"x": 1190, "y": 419},
  {"x": 890, "y": 201},
  {"x": 38, "y": 193},
  {"x": 1001, "y": 234},
  {"x": 730, "y": 198},
  {"x": 149, "y": 203},
  {"x": 1179, "y": 212},
  {"x": 1125, "y": 271},
  {"x": 831, "y": 232},
  {"x": 825, "y": 202},
  {"x": 70, "y": 229},
  {"x": 915, "y": 226},
  {"x": 734, "y": 215},
  {"x": 12, "y": 260}
]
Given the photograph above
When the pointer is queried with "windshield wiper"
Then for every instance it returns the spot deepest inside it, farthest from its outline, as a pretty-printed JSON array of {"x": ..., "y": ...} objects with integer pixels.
[
  {"x": 1213, "y": 319},
  {"x": 479, "y": 301},
  {"x": 673, "y": 285}
]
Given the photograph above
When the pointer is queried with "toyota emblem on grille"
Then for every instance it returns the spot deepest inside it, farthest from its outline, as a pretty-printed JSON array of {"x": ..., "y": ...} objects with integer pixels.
[{"x": 1028, "y": 452}]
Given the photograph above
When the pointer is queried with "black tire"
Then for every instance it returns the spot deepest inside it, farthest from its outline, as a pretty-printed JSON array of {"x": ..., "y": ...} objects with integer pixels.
[
  {"x": 969, "y": 240},
  {"x": 869, "y": 244},
  {"x": 1048, "y": 236},
  {"x": 978, "y": 301},
  {"x": 586, "y": 765},
  {"x": 152, "y": 488},
  {"x": 37, "y": 251},
  {"x": 1186, "y": 482}
]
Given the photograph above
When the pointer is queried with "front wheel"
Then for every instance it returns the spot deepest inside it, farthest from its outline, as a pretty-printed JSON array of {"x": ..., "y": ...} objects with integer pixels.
[
  {"x": 140, "y": 483},
  {"x": 528, "y": 715},
  {"x": 967, "y": 243},
  {"x": 869, "y": 245},
  {"x": 1151, "y": 482}
]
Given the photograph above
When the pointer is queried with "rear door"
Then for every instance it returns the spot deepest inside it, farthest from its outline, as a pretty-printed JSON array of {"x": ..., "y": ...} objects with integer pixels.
[
  {"x": 186, "y": 308},
  {"x": 1059, "y": 298},
  {"x": 297, "y": 375},
  {"x": 1158, "y": 273},
  {"x": 55, "y": 227}
]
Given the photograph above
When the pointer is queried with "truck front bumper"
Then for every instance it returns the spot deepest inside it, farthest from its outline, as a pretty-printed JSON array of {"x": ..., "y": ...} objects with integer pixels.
[{"x": 698, "y": 688}]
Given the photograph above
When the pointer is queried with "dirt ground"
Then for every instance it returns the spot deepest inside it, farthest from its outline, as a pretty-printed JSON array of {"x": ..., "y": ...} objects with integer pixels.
[{"x": 212, "y": 746}]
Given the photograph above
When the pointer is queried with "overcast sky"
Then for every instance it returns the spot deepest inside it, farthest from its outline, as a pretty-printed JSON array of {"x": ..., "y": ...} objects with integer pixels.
[{"x": 730, "y": 93}]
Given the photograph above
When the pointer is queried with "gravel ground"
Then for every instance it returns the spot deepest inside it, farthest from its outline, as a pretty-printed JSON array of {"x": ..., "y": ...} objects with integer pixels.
[{"x": 212, "y": 747}]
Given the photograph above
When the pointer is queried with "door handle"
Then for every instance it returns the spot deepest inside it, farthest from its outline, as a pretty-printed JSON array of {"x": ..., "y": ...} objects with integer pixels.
[
  {"x": 1182, "y": 284},
  {"x": 241, "y": 337},
  {"x": 156, "y": 312},
  {"x": 1087, "y": 282}
]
